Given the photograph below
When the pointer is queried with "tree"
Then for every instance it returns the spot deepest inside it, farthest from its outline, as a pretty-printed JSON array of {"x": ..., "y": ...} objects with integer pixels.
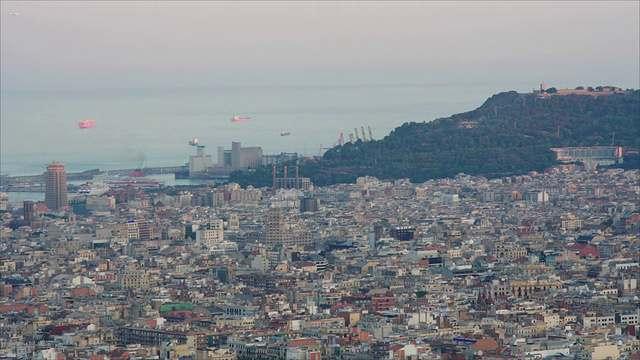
[{"x": 514, "y": 141}]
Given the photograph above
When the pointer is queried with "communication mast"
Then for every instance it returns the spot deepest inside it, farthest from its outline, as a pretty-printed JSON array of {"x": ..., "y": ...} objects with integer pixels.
[{"x": 613, "y": 138}]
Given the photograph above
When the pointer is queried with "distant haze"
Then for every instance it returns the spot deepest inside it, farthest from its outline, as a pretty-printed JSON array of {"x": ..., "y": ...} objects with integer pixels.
[{"x": 139, "y": 44}]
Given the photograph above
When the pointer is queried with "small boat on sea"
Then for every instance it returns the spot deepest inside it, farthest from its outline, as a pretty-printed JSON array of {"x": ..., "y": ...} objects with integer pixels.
[
  {"x": 284, "y": 134},
  {"x": 86, "y": 124},
  {"x": 237, "y": 118}
]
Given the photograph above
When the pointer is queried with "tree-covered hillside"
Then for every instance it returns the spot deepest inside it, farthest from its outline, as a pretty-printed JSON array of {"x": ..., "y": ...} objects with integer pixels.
[{"x": 509, "y": 134}]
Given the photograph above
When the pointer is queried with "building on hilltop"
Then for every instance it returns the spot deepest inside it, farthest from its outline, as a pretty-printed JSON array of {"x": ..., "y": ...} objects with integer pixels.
[
  {"x": 591, "y": 157},
  {"x": 545, "y": 92}
]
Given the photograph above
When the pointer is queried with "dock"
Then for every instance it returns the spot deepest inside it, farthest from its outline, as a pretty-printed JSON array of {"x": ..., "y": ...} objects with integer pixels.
[{"x": 35, "y": 182}]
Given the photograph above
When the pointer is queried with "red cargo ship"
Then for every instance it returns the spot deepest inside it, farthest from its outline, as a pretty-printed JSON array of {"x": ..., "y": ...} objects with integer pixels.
[
  {"x": 237, "y": 118},
  {"x": 86, "y": 124}
]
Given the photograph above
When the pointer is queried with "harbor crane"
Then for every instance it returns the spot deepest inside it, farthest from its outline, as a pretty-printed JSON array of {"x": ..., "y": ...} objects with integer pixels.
[
  {"x": 340, "y": 142},
  {"x": 323, "y": 148}
]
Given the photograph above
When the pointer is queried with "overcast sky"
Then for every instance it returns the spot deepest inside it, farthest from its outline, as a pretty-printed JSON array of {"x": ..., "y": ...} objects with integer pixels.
[{"x": 117, "y": 44}]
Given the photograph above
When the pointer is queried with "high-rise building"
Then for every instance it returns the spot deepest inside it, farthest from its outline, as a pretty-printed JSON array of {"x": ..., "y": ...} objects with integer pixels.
[
  {"x": 240, "y": 157},
  {"x": 275, "y": 228},
  {"x": 378, "y": 231},
  {"x": 55, "y": 186},
  {"x": 276, "y": 233},
  {"x": 308, "y": 204},
  {"x": 28, "y": 207}
]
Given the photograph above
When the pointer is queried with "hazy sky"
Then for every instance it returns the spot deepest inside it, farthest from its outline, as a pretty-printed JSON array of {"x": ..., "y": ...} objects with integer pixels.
[{"x": 115, "y": 44}]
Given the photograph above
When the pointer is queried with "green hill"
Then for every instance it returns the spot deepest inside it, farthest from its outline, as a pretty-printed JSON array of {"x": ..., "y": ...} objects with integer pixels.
[{"x": 509, "y": 134}]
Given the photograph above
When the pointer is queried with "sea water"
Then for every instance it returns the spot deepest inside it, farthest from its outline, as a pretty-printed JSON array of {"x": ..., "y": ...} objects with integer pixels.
[{"x": 152, "y": 127}]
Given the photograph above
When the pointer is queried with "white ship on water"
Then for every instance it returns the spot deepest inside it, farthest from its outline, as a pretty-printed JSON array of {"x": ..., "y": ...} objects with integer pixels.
[
  {"x": 93, "y": 188},
  {"x": 135, "y": 180}
]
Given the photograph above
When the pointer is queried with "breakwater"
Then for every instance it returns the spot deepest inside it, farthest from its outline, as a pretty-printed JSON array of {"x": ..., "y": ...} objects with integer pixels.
[{"x": 7, "y": 180}]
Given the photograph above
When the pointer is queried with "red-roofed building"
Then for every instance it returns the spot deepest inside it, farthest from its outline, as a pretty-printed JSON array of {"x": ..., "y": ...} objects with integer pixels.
[
  {"x": 485, "y": 345},
  {"x": 521, "y": 261},
  {"x": 59, "y": 330},
  {"x": 302, "y": 342},
  {"x": 31, "y": 310},
  {"x": 118, "y": 354},
  {"x": 589, "y": 252},
  {"x": 575, "y": 247}
]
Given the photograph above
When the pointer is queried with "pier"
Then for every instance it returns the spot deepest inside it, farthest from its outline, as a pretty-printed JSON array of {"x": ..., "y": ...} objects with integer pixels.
[{"x": 35, "y": 182}]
